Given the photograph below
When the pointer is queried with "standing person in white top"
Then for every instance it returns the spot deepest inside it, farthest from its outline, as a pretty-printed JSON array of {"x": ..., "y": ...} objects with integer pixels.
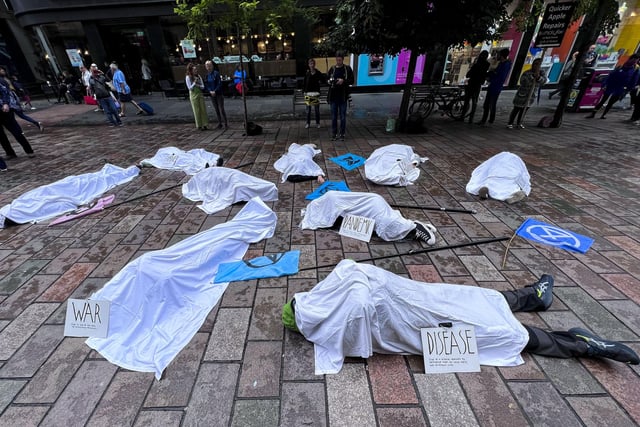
[
  {"x": 195, "y": 84},
  {"x": 147, "y": 77},
  {"x": 85, "y": 75}
]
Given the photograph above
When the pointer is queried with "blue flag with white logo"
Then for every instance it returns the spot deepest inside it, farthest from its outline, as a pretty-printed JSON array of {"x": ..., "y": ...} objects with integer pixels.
[
  {"x": 328, "y": 186},
  {"x": 548, "y": 234},
  {"x": 275, "y": 265},
  {"x": 348, "y": 161}
]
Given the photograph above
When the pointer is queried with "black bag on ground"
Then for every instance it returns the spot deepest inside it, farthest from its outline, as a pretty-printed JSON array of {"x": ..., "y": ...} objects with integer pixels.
[
  {"x": 415, "y": 124},
  {"x": 253, "y": 129}
]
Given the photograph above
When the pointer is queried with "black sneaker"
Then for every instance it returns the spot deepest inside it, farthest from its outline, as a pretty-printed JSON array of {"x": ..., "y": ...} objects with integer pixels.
[
  {"x": 334, "y": 137},
  {"x": 425, "y": 232},
  {"x": 544, "y": 290},
  {"x": 341, "y": 137},
  {"x": 220, "y": 161},
  {"x": 604, "y": 348}
]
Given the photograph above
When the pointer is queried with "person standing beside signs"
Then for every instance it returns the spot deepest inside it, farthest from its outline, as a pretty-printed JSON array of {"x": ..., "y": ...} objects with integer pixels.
[
  {"x": 496, "y": 78},
  {"x": 360, "y": 309},
  {"x": 530, "y": 82},
  {"x": 340, "y": 77}
]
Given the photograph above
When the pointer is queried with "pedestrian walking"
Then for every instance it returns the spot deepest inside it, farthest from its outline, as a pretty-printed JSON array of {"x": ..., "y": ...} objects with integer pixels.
[
  {"x": 98, "y": 83},
  {"x": 11, "y": 103},
  {"x": 617, "y": 83},
  {"x": 123, "y": 90}
]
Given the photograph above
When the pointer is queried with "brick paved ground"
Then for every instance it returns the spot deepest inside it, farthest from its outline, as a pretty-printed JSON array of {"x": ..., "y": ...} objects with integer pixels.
[{"x": 243, "y": 368}]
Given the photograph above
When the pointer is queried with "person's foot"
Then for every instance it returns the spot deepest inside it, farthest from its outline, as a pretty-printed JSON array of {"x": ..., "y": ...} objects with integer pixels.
[
  {"x": 334, "y": 137},
  {"x": 219, "y": 126},
  {"x": 306, "y": 126},
  {"x": 544, "y": 290},
  {"x": 318, "y": 125},
  {"x": 599, "y": 347},
  {"x": 122, "y": 115},
  {"x": 516, "y": 197},
  {"x": 40, "y": 126},
  {"x": 341, "y": 137},
  {"x": 509, "y": 126},
  {"x": 3, "y": 169},
  {"x": 139, "y": 113},
  {"x": 220, "y": 161},
  {"x": 120, "y": 124},
  {"x": 520, "y": 125},
  {"x": 31, "y": 155},
  {"x": 320, "y": 179},
  {"x": 483, "y": 192},
  {"x": 550, "y": 95},
  {"x": 425, "y": 232},
  {"x": 603, "y": 117},
  {"x": 590, "y": 116}
]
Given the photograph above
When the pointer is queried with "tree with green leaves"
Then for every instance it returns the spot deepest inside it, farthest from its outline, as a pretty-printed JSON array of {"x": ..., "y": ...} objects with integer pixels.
[
  {"x": 239, "y": 17},
  {"x": 387, "y": 26}
]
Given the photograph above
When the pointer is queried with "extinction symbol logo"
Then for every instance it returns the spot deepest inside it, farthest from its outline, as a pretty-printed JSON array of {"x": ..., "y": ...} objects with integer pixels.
[
  {"x": 273, "y": 258},
  {"x": 329, "y": 187},
  {"x": 553, "y": 236}
]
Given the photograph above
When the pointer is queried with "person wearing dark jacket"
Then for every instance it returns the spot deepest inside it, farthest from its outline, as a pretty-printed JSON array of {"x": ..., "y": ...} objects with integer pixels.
[
  {"x": 618, "y": 82},
  {"x": 311, "y": 88},
  {"x": 98, "y": 83},
  {"x": 340, "y": 77},
  {"x": 213, "y": 85},
  {"x": 496, "y": 78},
  {"x": 477, "y": 74},
  {"x": 11, "y": 103}
]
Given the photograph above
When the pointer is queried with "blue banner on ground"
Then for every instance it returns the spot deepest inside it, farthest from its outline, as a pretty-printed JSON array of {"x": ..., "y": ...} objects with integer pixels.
[
  {"x": 328, "y": 186},
  {"x": 348, "y": 161},
  {"x": 548, "y": 234},
  {"x": 276, "y": 265}
]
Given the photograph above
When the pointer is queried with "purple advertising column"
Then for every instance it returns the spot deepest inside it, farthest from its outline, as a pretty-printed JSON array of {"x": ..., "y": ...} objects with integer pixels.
[{"x": 403, "y": 66}]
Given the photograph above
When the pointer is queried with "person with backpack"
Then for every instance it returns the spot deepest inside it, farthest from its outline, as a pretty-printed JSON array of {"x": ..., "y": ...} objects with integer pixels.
[{"x": 98, "y": 83}]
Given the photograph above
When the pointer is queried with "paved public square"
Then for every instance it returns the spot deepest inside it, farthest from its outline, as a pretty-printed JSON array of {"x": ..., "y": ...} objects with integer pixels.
[{"x": 243, "y": 368}]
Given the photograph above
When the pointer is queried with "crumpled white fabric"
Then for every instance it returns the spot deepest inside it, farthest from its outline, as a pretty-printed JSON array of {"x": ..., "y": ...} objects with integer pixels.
[
  {"x": 175, "y": 159},
  {"x": 160, "y": 300},
  {"x": 298, "y": 160},
  {"x": 360, "y": 309},
  {"x": 219, "y": 188},
  {"x": 322, "y": 213},
  {"x": 394, "y": 164},
  {"x": 65, "y": 195},
  {"x": 503, "y": 174}
]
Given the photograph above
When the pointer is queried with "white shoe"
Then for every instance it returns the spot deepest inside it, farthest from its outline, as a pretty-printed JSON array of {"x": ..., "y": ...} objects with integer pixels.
[
  {"x": 318, "y": 125},
  {"x": 306, "y": 126}
]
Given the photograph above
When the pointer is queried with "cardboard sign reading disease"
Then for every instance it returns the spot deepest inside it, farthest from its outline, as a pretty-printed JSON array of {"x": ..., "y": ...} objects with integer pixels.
[
  {"x": 357, "y": 227},
  {"x": 450, "y": 349},
  {"x": 87, "y": 318}
]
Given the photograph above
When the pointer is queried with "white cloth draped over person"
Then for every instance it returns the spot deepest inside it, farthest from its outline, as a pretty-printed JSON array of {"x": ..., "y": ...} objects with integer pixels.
[
  {"x": 190, "y": 162},
  {"x": 325, "y": 210},
  {"x": 298, "y": 161},
  {"x": 360, "y": 309},
  {"x": 160, "y": 300},
  {"x": 219, "y": 188},
  {"x": 394, "y": 164},
  {"x": 504, "y": 176},
  {"x": 65, "y": 195}
]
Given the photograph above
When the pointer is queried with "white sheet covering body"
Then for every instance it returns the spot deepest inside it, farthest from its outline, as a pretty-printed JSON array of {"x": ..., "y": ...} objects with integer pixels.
[
  {"x": 503, "y": 174},
  {"x": 175, "y": 159},
  {"x": 65, "y": 195},
  {"x": 219, "y": 188},
  {"x": 160, "y": 300},
  {"x": 298, "y": 160},
  {"x": 360, "y": 309},
  {"x": 394, "y": 164},
  {"x": 322, "y": 213}
]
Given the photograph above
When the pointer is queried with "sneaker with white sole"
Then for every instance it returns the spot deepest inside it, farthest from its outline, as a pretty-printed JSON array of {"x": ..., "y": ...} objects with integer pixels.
[
  {"x": 306, "y": 126},
  {"x": 516, "y": 197},
  {"x": 599, "y": 347},
  {"x": 425, "y": 232}
]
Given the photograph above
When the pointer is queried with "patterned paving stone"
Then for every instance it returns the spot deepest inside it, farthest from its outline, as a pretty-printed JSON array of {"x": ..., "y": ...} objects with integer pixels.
[
  {"x": 348, "y": 397},
  {"x": 224, "y": 342},
  {"x": 569, "y": 376},
  {"x": 400, "y": 417},
  {"x": 527, "y": 371},
  {"x": 216, "y": 382},
  {"x": 490, "y": 398},
  {"x": 256, "y": 413},
  {"x": 155, "y": 418},
  {"x": 122, "y": 400},
  {"x": 599, "y": 411},
  {"x": 625, "y": 283},
  {"x": 616, "y": 378},
  {"x": 20, "y": 275},
  {"x": 390, "y": 380},
  {"x": 20, "y": 329},
  {"x": 589, "y": 281},
  {"x": 32, "y": 355},
  {"x": 14, "y": 304},
  {"x": 8, "y": 390},
  {"x": 24, "y": 416},
  {"x": 444, "y": 400},
  {"x": 261, "y": 369},
  {"x": 543, "y": 405},
  {"x": 178, "y": 378},
  {"x": 627, "y": 311},
  {"x": 67, "y": 283},
  {"x": 303, "y": 404},
  {"x": 267, "y": 312},
  {"x": 115, "y": 261},
  {"x": 77, "y": 402}
]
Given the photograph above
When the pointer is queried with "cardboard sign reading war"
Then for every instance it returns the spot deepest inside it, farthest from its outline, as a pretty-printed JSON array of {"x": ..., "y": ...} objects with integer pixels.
[
  {"x": 357, "y": 227},
  {"x": 450, "y": 349},
  {"x": 87, "y": 318}
]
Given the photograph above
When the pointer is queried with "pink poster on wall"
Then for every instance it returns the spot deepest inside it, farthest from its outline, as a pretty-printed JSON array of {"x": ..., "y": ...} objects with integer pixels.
[{"x": 403, "y": 66}]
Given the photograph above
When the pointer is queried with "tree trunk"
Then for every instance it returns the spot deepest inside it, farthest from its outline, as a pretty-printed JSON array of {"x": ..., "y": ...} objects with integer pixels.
[
  {"x": 591, "y": 25},
  {"x": 406, "y": 94},
  {"x": 242, "y": 81}
]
